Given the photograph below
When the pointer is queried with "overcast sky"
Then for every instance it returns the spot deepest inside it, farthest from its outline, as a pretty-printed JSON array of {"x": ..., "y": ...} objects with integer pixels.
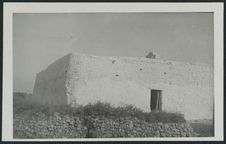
[{"x": 40, "y": 39}]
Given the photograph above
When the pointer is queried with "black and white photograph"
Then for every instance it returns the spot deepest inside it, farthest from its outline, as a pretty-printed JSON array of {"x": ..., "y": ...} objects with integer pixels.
[{"x": 115, "y": 75}]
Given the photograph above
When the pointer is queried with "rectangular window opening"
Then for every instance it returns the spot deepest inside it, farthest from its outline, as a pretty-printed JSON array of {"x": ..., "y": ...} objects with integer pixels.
[{"x": 156, "y": 100}]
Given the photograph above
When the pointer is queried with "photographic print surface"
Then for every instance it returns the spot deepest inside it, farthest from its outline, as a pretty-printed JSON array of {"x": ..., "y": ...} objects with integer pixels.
[{"x": 113, "y": 75}]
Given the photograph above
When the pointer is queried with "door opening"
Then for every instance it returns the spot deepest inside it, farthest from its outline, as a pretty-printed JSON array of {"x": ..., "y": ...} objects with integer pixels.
[{"x": 156, "y": 100}]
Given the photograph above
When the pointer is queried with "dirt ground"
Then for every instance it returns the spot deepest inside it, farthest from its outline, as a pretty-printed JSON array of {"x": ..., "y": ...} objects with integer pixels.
[{"x": 205, "y": 128}]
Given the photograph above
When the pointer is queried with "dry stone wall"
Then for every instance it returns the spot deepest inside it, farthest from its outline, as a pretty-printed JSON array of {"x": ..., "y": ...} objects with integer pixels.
[
  {"x": 58, "y": 126},
  {"x": 42, "y": 126},
  {"x": 132, "y": 127}
]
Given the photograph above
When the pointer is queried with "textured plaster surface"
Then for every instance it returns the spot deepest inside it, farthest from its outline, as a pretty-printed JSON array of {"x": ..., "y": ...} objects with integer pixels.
[{"x": 82, "y": 79}]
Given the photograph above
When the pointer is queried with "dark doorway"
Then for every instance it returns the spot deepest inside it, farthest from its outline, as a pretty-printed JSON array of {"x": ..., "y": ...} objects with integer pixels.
[{"x": 156, "y": 100}]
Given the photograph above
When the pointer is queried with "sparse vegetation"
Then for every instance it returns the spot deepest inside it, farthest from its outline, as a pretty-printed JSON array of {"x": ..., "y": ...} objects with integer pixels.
[{"x": 105, "y": 110}]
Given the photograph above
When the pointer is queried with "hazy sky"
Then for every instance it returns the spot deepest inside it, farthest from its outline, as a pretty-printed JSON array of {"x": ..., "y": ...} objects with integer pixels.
[{"x": 40, "y": 39}]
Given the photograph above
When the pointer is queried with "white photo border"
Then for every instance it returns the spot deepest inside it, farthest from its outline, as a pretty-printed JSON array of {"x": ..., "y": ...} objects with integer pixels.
[{"x": 7, "y": 92}]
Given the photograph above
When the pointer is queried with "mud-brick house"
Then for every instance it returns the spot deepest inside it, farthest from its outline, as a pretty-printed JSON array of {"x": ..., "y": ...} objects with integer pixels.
[{"x": 147, "y": 83}]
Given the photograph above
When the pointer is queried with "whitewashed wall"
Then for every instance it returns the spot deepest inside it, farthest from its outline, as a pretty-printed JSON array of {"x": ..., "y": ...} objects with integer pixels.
[{"x": 186, "y": 88}]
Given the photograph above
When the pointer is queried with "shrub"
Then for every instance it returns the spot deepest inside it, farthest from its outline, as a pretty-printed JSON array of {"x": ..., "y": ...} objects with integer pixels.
[
  {"x": 165, "y": 117},
  {"x": 98, "y": 109},
  {"x": 129, "y": 111},
  {"x": 105, "y": 110}
]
